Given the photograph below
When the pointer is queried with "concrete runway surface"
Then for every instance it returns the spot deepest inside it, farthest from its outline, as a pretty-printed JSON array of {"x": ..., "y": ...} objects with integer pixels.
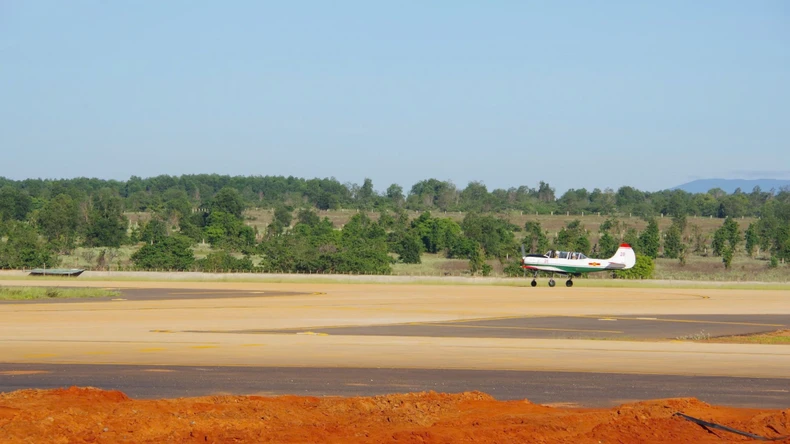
[{"x": 409, "y": 329}]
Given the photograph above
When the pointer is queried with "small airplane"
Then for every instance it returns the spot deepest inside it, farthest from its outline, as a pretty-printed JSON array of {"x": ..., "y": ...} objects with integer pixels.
[{"x": 573, "y": 263}]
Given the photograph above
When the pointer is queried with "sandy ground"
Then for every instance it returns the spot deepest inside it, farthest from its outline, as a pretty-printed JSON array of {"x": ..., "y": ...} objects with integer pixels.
[
  {"x": 200, "y": 332},
  {"x": 89, "y": 415}
]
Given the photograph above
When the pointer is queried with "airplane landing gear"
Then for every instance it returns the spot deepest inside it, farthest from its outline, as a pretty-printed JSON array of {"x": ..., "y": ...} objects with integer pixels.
[
  {"x": 569, "y": 283},
  {"x": 534, "y": 283},
  {"x": 552, "y": 283}
]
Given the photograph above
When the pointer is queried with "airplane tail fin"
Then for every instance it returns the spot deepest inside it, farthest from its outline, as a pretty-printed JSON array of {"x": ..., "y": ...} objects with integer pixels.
[{"x": 624, "y": 256}]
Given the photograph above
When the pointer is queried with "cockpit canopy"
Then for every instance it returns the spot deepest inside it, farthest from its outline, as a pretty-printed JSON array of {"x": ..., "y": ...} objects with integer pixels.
[{"x": 573, "y": 255}]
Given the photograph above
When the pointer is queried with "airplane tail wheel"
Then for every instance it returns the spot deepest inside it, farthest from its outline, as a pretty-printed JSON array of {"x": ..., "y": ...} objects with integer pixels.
[
  {"x": 534, "y": 283},
  {"x": 552, "y": 283},
  {"x": 569, "y": 283}
]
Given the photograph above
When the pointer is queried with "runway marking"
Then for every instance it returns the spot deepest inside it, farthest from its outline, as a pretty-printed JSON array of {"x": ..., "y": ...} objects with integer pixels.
[
  {"x": 607, "y": 319},
  {"x": 119, "y": 299},
  {"x": 440, "y": 324},
  {"x": 24, "y": 372},
  {"x": 217, "y": 292},
  {"x": 311, "y": 333},
  {"x": 690, "y": 321}
]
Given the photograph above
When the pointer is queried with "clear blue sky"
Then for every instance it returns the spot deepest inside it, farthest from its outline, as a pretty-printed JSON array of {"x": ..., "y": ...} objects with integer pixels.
[{"x": 579, "y": 94}]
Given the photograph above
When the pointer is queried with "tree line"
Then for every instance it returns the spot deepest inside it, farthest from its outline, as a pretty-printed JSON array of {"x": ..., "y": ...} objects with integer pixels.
[
  {"x": 19, "y": 198},
  {"x": 36, "y": 226}
]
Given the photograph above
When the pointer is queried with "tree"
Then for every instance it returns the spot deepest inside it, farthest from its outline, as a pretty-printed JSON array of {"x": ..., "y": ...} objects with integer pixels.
[
  {"x": 573, "y": 237},
  {"x": 283, "y": 216},
  {"x": 545, "y": 192},
  {"x": 674, "y": 248},
  {"x": 228, "y": 200},
  {"x": 673, "y": 242},
  {"x": 476, "y": 259},
  {"x": 607, "y": 245},
  {"x": 410, "y": 247},
  {"x": 176, "y": 204},
  {"x": 14, "y": 204},
  {"x": 307, "y": 217},
  {"x": 58, "y": 221},
  {"x": 169, "y": 253},
  {"x": 395, "y": 195},
  {"x": 535, "y": 240},
  {"x": 699, "y": 239},
  {"x": 106, "y": 223},
  {"x": 327, "y": 201},
  {"x": 727, "y": 236},
  {"x": 225, "y": 230},
  {"x": 24, "y": 248},
  {"x": 153, "y": 231},
  {"x": 726, "y": 257},
  {"x": 493, "y": 234},
  {"x": 752, "y": 239},
  {"x": 366, "y": 194},
  {"x": 631, "y": 237},
  {"x": 650, "y": 239},
  {"x": 475, "y": 197}
]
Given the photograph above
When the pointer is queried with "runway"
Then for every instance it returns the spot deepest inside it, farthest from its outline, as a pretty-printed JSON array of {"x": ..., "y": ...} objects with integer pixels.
[
  {"x": 247, "y": 329},
  {"x": 554, "y": 388}
]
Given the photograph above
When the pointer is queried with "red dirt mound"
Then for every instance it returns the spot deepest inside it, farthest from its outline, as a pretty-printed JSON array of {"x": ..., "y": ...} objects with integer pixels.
[{"x": 92, "y": 415}]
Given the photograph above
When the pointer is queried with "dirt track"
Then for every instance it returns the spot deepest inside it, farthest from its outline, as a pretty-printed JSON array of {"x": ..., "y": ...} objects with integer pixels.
[{"x": 89, "y": 415}]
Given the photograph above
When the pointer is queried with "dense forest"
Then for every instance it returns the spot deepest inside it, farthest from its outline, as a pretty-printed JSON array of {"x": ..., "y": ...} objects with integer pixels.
[{"x": 42, "y": 219}]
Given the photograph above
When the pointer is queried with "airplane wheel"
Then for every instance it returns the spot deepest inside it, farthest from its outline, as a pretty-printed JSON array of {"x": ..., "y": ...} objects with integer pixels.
[
  {"x": 569, "y": 283},
  {"x": 552, "y": 283},
  {"x": 534, "y": 283}
]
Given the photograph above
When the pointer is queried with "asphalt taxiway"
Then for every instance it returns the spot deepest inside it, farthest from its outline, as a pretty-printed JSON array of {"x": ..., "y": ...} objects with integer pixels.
[
  {"x": 557, "y": 388},
  {"x": 636, "y": 327}
]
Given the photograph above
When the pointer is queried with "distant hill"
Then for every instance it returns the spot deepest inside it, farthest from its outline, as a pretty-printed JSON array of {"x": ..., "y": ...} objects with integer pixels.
[{"x": 730, "y": 185}]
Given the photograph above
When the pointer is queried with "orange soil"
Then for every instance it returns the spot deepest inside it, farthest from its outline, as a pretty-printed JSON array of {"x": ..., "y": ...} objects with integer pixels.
[{"x": 92, "y": 415}]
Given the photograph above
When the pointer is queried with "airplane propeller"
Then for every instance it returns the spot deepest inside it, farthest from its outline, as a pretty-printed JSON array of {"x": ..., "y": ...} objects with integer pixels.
[{"x": 523, "y": 253}]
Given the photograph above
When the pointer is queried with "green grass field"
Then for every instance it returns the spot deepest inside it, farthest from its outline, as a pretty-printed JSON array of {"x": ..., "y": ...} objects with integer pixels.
[{"x": 31, "y": 293}]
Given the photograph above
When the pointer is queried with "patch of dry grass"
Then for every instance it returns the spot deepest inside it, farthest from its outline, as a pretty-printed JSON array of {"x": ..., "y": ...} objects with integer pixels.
[
  {"x": 776, "y": 337},
  {"x": 31, "y": 293}
]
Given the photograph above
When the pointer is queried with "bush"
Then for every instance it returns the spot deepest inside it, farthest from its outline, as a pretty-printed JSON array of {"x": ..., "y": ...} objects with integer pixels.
[
  {"x": 170, "y": 253},
  {"x": 726, "y": 257},
  {"x": 513, "y": 269},
  {"x": 221, "y": 261},
  {"x": 774, "y": 262},
  {"x": 643, "y": 269}
]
